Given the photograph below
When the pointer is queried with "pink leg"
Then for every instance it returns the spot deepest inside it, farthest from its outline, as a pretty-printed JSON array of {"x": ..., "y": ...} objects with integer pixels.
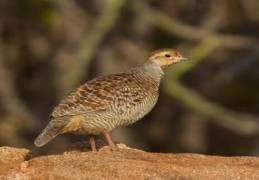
[
  {"x": 109, "y": 140},
  {"x": 92, "y": 143}
]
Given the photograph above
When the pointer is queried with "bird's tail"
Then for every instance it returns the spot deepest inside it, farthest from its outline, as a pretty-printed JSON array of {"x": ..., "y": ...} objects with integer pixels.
[{"x": 51, "y": 131}]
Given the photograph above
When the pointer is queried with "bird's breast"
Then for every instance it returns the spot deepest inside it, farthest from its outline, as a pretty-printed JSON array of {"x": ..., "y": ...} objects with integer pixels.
[{"x": 135, "y": 110}]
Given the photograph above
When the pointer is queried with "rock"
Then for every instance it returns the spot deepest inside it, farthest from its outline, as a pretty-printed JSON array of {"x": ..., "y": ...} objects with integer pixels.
[
  {"x": 12, "y": 158},
  {"x": 126, "y": 163},
  {"x": 14, "y": 155}
]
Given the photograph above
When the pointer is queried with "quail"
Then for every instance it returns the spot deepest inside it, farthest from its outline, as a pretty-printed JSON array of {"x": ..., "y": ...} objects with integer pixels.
[{"x": 110, "y": 101}]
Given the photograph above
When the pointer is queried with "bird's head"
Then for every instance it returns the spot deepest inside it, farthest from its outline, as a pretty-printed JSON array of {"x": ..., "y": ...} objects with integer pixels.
[{"x": 165, "y": 57}]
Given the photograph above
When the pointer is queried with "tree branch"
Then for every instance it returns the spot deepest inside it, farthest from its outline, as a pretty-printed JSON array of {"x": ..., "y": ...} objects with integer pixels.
[{"x": 237, "y": 122}]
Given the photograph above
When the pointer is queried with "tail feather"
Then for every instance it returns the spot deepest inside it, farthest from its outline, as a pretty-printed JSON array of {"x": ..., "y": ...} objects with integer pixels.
[{"x": 51, "y": 131}]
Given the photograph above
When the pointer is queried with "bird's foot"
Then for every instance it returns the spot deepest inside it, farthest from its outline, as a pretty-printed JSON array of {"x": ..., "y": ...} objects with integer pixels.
[{"x": 111, "y": 143}]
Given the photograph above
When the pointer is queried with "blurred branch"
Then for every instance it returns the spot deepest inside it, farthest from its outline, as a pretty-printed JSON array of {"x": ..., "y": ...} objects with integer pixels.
[
  {"x": 214, "y": 18},
  {"x": 188, "y": 32},
  {"x": 70, "y": 6},
  {"x": 10, "y": 100},
  {"x": 234, "y": 121},
  {"x": 90, "y": 43},
  {"x": 242, "y": 65},
  {"x": 191, "y": 33}
]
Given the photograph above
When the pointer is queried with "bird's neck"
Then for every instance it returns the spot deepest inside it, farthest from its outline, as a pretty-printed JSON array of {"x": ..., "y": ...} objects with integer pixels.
[
  {"x": 150, "y": 71},
  {"x": 153, "y": 70}
]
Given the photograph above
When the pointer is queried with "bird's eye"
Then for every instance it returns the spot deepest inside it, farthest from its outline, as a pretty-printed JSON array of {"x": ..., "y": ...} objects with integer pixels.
[{"x": 167, "y": 55}]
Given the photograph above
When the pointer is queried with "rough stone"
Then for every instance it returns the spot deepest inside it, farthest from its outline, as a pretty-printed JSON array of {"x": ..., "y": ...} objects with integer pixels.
[{"x": 125, "y": 163}]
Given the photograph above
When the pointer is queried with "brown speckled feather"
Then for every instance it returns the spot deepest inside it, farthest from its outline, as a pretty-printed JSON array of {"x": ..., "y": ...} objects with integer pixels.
[{"x": 100, "y": 93}]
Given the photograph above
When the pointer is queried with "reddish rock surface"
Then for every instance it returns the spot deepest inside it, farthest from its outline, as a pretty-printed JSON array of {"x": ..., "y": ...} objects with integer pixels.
[{"x": 125, "y": 163}]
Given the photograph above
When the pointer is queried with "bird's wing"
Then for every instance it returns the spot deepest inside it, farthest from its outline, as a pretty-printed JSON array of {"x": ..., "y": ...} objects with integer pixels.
[{"x": 98, "y": 95}]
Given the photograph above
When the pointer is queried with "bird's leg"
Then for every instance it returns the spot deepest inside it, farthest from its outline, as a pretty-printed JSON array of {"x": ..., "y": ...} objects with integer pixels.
[
  {"x": 92, "y": 143},
  {"x": 109, "y": 140}
]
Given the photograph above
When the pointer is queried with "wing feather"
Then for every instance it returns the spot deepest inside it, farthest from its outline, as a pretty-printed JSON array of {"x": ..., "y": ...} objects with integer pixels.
[{"x": 99, "y": 94}]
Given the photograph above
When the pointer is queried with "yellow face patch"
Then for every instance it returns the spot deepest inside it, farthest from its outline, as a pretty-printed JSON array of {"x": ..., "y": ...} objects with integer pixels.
[{"x": 166, "y": 62}]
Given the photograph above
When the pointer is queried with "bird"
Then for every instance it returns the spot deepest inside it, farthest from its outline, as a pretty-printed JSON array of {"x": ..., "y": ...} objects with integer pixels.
[{"x": 109, "y": 101}]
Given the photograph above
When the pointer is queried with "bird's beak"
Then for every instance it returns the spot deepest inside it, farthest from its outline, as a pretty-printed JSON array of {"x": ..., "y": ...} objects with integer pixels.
[{"x": 183, "y": 59}]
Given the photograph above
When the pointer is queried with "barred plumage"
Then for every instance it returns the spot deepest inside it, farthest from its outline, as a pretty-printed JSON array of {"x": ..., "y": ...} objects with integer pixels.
[{"x": 106, "y": 102}]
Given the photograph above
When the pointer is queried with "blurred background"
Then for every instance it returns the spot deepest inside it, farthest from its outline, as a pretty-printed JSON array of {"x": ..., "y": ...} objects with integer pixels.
[{"x": 208, "y": 105}]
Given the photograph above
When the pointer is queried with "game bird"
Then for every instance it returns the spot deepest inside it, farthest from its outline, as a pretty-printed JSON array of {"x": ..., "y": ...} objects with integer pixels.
[{"x": 107, "y": 102}]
